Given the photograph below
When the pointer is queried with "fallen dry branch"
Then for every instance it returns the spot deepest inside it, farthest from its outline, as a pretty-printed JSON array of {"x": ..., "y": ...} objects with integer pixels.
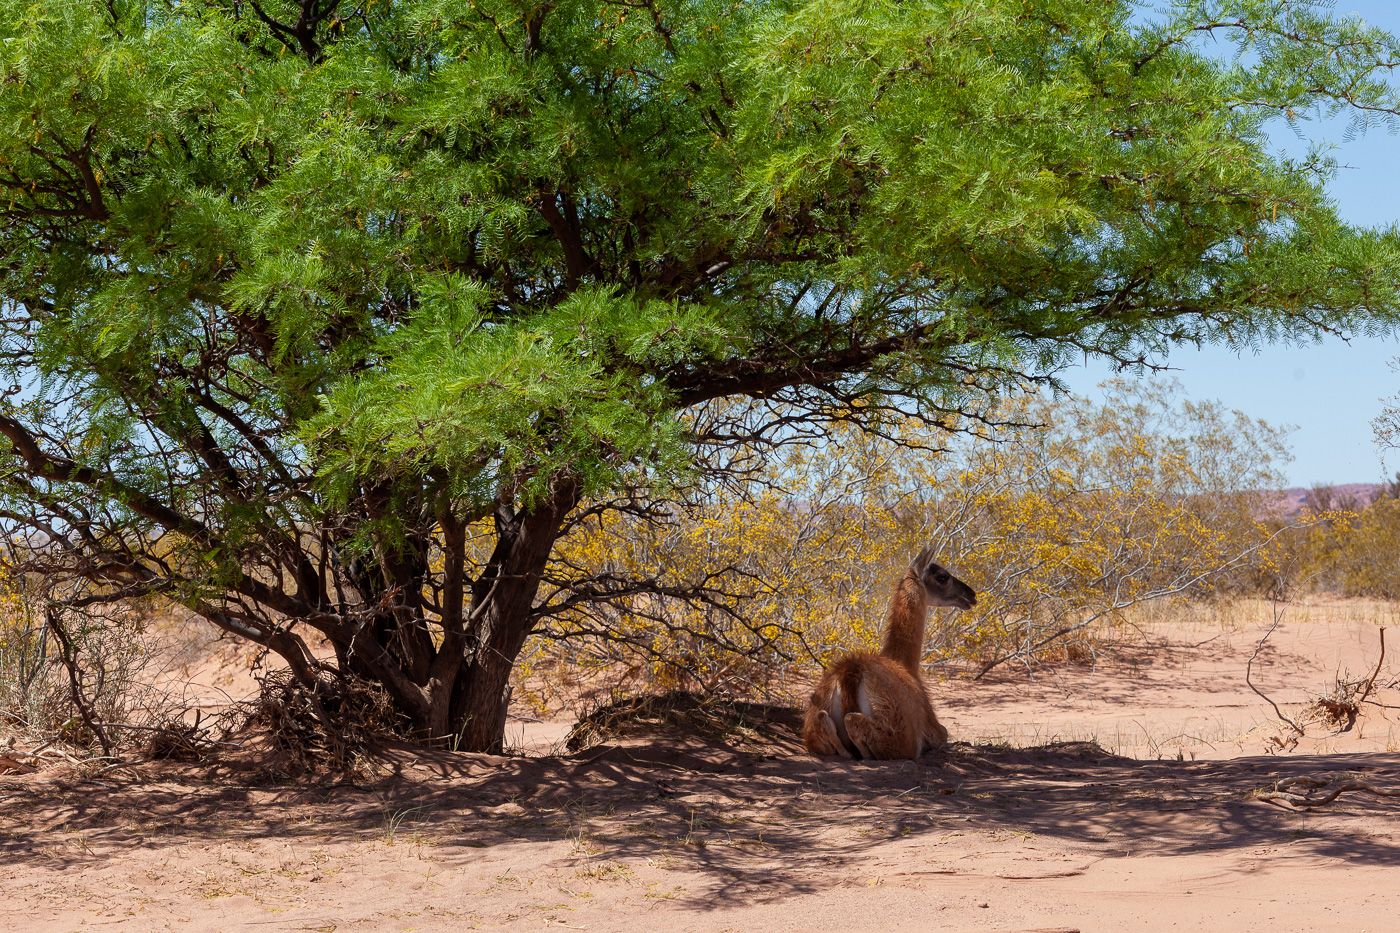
[
  {"x": 1380, "y": 660},
  {"x": 17, "y": 760},
  {"x": 1371, "y": 682},
  {"x": 1308, "y": 793},
  {"x": 10, "y": 764}
]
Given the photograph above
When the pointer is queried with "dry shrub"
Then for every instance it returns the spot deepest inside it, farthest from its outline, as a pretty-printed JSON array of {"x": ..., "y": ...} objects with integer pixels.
[
  {"x": 32, "y": 699},
  {"x": 179, "y": 740},
  {"x": 1340, "y": 709},
  {"x": 84, "y": 680},
  {"x": 333, "y": 726}
]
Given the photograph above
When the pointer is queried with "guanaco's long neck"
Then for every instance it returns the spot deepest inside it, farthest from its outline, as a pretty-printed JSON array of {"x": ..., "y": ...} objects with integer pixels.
[{"x": 904, "y": 626}]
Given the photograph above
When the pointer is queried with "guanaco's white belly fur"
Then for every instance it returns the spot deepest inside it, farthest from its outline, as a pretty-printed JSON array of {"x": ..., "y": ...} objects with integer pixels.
[{"x": 835, "y": 709}]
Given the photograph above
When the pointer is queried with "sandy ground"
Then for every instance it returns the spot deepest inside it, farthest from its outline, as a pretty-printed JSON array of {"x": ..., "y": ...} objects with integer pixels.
[
  {"x": 1030, "y": 827},
  {"x": 1176, "y": 687}
]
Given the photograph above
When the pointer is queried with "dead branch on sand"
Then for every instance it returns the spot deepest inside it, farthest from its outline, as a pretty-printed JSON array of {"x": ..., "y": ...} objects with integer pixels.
[
  {"x": 1338, "y": 710},
  {"x": 1341, "y": 709},
  {"x": 1307, "y": 793}
]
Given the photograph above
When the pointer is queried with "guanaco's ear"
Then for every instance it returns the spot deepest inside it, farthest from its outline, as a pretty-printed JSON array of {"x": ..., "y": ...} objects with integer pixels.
[{"x": 921, "y": 560}]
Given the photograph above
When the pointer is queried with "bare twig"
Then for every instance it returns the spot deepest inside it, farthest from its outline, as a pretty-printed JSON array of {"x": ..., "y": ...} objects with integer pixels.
[
  {"x": 1249, "y": 668},
  {"x": 1371, "y": 682}
]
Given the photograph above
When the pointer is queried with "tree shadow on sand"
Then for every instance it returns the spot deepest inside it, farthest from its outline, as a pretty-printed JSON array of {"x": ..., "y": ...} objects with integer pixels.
[{"x": 759, "y": 822}]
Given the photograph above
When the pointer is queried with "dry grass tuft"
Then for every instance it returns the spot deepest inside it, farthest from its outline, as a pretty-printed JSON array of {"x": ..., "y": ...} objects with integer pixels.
[{"x": 756, "y": 727}]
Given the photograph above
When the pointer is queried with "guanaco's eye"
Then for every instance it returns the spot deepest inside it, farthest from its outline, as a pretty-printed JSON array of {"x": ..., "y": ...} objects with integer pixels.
[{"x": 941, "y": 576}]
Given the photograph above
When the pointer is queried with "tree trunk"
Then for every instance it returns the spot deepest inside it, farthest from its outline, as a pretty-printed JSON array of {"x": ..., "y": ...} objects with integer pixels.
[
  {"x": 474, "y": 698},
  {"x": 456, "y": 693}
]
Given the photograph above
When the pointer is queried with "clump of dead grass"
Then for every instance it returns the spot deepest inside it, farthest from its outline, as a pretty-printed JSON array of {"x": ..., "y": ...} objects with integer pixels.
[{"x": 744, "y": 726}]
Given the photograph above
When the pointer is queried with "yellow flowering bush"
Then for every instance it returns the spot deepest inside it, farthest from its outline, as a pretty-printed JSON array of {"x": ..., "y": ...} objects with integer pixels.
[
  {"x": 1348, "y": 547},
  {"x": 1057, "y": 526},
  {"x": 29, "y": 695}
]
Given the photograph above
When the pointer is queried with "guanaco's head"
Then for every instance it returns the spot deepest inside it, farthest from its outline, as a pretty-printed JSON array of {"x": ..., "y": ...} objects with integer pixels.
[{"x": 942, "y": 587}]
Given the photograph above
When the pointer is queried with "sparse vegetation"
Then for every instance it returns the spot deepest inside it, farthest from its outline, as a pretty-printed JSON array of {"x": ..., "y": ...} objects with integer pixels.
[
  {"x": 86, "y": 681},
  {"x": 1068, "y": 526}
]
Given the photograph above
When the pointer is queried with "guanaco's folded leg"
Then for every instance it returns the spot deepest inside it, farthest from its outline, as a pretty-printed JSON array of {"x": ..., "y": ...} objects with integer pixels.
[
  {"x": 878, "y": 737},
  {"x": 819, "y": 735},
  {"x": 937, "y": 736},
  {"x": 830, "y": 739}
]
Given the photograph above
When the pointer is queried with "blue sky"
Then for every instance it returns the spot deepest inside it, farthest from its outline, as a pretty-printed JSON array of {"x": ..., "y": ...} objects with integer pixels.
[{"x": 1329, "y": 392}]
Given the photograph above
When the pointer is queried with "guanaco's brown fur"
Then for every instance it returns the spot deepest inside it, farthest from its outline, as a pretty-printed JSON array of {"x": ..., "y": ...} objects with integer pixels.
[{"x": 876, "y": 705}]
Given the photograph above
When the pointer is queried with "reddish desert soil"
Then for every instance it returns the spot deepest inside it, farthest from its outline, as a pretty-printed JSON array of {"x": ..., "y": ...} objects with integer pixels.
[{"x": 1157, "y": 826}]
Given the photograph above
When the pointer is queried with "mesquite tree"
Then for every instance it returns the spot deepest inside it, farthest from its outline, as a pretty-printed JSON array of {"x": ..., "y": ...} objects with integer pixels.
[{"x": 299, "y": 294}]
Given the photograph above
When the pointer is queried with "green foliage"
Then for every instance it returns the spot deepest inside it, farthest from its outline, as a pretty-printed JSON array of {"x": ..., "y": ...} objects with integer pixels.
[
  {"x": 531, "y": 399},
  {"x": 993, "y": 181}
]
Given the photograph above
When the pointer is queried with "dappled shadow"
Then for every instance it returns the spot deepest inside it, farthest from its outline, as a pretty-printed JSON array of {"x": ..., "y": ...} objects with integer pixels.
[{"x": 757, "y": 826}]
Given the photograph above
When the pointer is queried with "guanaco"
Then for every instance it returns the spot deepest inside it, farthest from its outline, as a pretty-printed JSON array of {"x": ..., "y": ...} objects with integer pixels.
[{"x": 876, "y": 705}]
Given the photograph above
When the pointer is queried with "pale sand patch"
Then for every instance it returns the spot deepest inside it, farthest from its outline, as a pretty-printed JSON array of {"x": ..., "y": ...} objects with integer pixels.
[{"x": 1177, "y": 688}]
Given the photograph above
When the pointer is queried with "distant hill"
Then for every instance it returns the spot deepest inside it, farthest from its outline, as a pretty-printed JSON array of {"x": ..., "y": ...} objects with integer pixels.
[{"x": 1289, "y": 502}]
